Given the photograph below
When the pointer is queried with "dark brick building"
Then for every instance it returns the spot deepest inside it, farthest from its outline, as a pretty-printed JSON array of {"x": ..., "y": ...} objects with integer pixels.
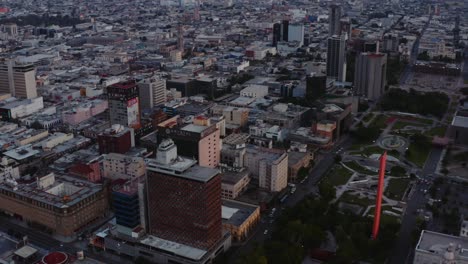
[{"x": 184, "y": 200}]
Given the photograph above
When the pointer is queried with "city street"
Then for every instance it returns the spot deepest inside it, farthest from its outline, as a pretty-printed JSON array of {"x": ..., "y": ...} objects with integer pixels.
[
  {"x": 403, "y": 247},
  {"x": 45, "y": 241},
  {"x": 309, "y": 186}
]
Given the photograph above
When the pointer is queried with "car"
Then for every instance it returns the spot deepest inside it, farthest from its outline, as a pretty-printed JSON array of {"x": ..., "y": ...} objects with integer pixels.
[{"x": 265, "y": 232}]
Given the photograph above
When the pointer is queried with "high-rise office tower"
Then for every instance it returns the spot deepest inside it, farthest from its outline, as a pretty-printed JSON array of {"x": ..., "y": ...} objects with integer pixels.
[
  {"x": 370, "y": 74},
  {"x": 285, "y": 30},
  {"x": 19, "y": 80},
  {"x": 277, "y": 33},
  {"x": 124, "y": 104},
  {"x": 334, "y": 17},
  {"x": 184, "y": 199},
  {"x": 346, "y": 26},
  {"x": 296, "y": 33},
  {"x": 336, "y": 57},
  {"x": 316, "y": 86},
  {"x": 152, "y": 92}
]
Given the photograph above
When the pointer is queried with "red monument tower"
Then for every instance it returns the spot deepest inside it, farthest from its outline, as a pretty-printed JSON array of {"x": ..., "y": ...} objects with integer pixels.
[{"x": 378, "y": 199}]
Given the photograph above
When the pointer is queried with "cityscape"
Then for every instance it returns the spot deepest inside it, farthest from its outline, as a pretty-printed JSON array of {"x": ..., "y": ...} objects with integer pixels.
[{"x": 234, "y": 132}]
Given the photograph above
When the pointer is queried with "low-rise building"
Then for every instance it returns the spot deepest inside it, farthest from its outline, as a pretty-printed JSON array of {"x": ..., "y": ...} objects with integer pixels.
[
  {"x": 119, "y": 166},
  {"x": 239, "y": 218},
  {"x": 287, "y": 116},
  {"x": 296, "y": 161},
  {"x": 9, "y": 169},
  {"x": 84, "y": 111},
  {"x": 268, "y": 166},
  {"x": 117, "y": 139},
  {"x": 464, "y": 228},
  {"x": 233, "y": 115},
  {"x": 234, "y": 183},
  {"x": 55, "y": 140},
  {"x": 84, "y": 163},
  {"x": 12, "y": 109},
  {"x": 255, "y": 91},
  {"x": 436, "y": 247},
  {"x": 233, "y": 150},
  {"x": 458, "y": 129},
  {"x": 61, "y": 205}
]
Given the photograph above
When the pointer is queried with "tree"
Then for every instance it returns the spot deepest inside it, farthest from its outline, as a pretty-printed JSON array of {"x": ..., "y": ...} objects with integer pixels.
[
  {"x": 36, "y": 125},
  {"x": 364, "y": 134},
  {"x": 398, "y": 171},
  {"x": 424, "y": 56},
  {"x": 428, "y": 103},
  {"x": 327, "y": 191},
  {"x": 257, "y": 256},
  {"x": 338, "y": 158},
  {"x": 302, "y": 173},
  {"x": 142, "y": 260}
]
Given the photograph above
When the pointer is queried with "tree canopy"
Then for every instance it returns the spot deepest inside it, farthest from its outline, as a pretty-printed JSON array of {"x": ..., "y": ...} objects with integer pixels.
[{"x": 429, "y": 103}]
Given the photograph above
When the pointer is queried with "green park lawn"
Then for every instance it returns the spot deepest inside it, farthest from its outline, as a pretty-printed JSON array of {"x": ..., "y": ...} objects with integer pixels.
[
  {"x": 402, "y": 124},
  {"x": 338, "y": 175},
  {"x": 368, "y": 117},
  {"x": 418, "y": 155},
  {"x": 380, "y": 121},
  {"x": 347, "y": 197},
  {"x": 372, "y": 150},
  {"x": 358, "y": 168},
  {"x": 423, "y": 121},
  {"x": 437, "y": 131},
  {"x": 396, "y": 188}
]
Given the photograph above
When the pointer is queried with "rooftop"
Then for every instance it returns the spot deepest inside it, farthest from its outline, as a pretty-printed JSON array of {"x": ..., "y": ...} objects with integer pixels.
[
  {"x": 460, "y": 121},
  {"x": 194, "y": 128},
  {"x": 242, "y": 101},
  {"x": 294, "y": 157},
  {"x": 235, "y": 213},
  {"x": 233, "y": 177},
  {"x": 440, "y": 243},
  {"x": 62, "y": 191},
  {"x": 236, "y": 139},
  {"x": 184, "y": 168},
  {"x": 25, "y": 252},
  {"x": 174, "y": 247},
  {"x": 272, "y": 155},
  {"x": 21, "y": 153}
]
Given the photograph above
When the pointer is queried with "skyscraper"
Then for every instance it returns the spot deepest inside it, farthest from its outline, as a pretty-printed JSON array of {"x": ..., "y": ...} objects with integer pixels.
[
  {"x": 277, "y": 33},
  {"x": 336, "y": 57},
  {"x": 124, "y": 104},
  {"x": 19, "y": 80},
  {"x": 184, "y": 199},
  {"x": 334, "y": 17},
  {"x": 285, "y": 30},
  {"x": 316, "y": 86},
  {"x": 296, "y": 33},
  {"x": 370, "y": 74},
  {"x": 152, "y": 92}
]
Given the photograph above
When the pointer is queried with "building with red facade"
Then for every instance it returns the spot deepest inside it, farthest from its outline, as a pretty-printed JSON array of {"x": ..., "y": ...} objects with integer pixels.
[
  {"x": 184, "y": 200},
  {"x": 90, "y": 171},
  {"x": 117, "y": 139}
]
